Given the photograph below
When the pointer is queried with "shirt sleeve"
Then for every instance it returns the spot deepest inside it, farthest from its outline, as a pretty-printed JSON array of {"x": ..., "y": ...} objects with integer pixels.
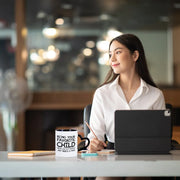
[
  {"x": 160, "y": 102},
  {"x": 97, "y": 117}
]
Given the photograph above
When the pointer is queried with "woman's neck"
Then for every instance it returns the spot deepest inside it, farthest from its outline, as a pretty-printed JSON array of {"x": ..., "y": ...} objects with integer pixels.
[
  {"x": 129, "y": 82},
  {"x": 129, "y": 85}
]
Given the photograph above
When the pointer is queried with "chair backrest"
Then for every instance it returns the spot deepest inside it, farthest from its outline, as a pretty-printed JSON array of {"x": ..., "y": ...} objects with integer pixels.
[
  {"x": 170, "y": 107},
  {"x": 86, "y": 117}
]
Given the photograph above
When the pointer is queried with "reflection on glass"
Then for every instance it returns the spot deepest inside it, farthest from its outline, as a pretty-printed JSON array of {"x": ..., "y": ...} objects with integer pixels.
[{"x": 68, "y": 43}]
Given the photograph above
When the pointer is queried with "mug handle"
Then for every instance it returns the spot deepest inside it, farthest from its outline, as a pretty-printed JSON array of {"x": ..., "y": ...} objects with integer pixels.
[{"x": 83, "y": 147}]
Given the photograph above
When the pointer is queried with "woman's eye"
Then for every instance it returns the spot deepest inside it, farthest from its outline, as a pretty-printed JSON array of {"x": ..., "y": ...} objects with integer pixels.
[
  {"x": 118, "y": 52},
  {"x": 110, "y": 55}
]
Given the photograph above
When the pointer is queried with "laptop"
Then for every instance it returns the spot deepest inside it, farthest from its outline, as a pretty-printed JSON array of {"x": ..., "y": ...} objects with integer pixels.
[{"x": 142, "y": 131}]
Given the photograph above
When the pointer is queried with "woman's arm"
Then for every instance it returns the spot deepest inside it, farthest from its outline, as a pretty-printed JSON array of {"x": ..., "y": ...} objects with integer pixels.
[
  {"x": 97, "y": 122},
  {"x": 160, "y": 102}
]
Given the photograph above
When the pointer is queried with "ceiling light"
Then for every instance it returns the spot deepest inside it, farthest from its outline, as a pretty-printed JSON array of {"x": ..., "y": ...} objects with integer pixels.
[
  {"x": 87, "y": 52},
  {"x": 102, "y": 46},
  {"x": 50, "y": 33},
  {"x": 59, "y": 21},
  {"x": 52, "y": 54},
  {"x": 36, "y": 58},
  {"x": 112, "y": 33},
  {"x": 90, "y": 44},
  {"x": 41, "y": 56}
]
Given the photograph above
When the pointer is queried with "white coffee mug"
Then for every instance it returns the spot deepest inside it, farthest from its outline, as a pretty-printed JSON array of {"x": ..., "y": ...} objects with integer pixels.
[{"x": 66, "y": 142}]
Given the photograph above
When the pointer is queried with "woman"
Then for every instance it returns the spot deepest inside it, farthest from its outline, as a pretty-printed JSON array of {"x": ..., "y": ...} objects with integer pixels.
[{"x": 128, "y": 85}]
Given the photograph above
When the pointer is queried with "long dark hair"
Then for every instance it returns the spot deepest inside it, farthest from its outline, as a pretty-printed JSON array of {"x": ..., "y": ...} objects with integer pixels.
[{"x": 133, "y": 43}]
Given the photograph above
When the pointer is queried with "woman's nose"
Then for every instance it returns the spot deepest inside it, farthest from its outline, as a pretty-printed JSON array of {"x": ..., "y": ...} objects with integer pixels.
[{"x": 112, "y": 58}]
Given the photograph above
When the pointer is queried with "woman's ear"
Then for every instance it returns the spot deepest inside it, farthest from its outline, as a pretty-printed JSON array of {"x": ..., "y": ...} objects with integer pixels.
[{"x": 136, "y": 55}]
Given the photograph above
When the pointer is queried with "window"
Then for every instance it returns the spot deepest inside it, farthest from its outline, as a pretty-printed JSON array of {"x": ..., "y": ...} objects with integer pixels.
[{"x": 68, "y": 40}]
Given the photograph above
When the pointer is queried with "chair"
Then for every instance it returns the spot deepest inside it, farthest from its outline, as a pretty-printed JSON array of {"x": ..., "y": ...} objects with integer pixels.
[
  {"x": 86, "y": 117},
  {"x": 174, "y": 143}
]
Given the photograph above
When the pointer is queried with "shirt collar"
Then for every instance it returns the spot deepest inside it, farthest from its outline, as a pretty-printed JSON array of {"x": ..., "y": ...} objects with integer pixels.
[
  {"x": 115, "y": 82},
  {"x": 143, "y": 84}
]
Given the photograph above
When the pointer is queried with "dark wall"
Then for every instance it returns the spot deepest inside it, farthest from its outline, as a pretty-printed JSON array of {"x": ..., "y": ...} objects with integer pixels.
[{"x": 41, "y": 125}]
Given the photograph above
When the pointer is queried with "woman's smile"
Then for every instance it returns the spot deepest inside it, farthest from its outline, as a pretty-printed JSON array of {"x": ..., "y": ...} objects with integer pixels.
[{"x": 114, "y": 65}]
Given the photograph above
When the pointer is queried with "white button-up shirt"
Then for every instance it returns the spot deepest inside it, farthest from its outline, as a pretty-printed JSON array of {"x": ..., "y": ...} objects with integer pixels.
[{"x": 110, "y": 97}]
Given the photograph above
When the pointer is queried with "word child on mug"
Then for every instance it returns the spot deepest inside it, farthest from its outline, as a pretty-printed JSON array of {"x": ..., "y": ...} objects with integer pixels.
[{"x": 66, "y": 142}]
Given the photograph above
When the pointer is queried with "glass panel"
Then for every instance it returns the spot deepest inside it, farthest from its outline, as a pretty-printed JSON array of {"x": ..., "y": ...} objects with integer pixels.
[
  {"x": 72, "y": 55},
  {"x": 7, "y": 35},
  {"x": 7, "y": 61}
]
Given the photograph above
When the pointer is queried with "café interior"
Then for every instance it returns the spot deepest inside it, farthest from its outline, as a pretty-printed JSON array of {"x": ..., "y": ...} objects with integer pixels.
[{"x": 54, "y": 54}]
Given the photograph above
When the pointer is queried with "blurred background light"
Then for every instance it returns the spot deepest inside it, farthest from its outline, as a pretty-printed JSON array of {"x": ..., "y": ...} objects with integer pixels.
[
  {"x": 87, "y": 52},
  {"x": 50, "y": 32}
]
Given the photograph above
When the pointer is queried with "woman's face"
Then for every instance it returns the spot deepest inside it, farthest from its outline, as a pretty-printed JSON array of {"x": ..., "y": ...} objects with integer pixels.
[{"x": 121, "y": 60}]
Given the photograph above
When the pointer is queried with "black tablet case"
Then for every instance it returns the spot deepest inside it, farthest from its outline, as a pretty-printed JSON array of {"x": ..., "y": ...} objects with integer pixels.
[{"x": 142, "y": 131}]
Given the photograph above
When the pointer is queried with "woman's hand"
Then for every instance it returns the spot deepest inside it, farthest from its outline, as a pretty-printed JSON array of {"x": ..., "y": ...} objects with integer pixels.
[{"x": 96, "y": 145}]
